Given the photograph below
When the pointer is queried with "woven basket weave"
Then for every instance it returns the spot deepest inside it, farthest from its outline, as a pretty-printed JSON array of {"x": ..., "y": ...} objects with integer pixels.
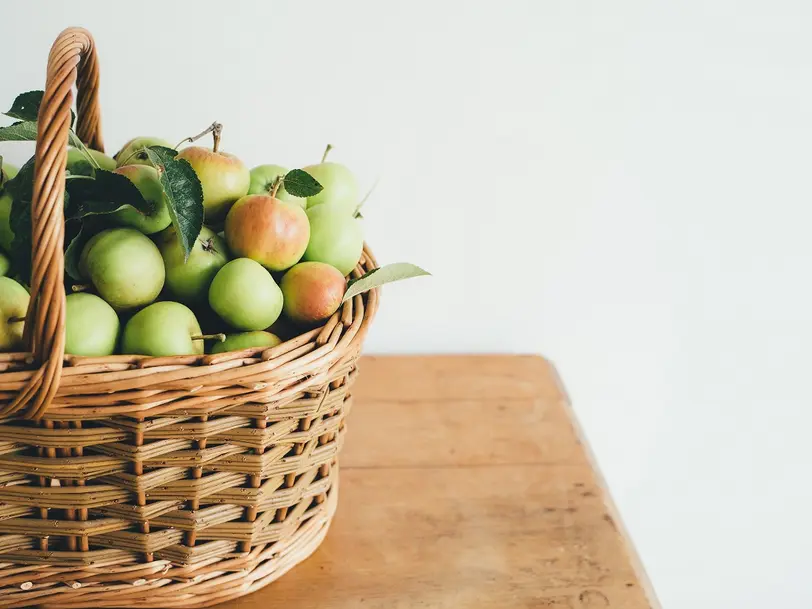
[{"x": 157, "y": 482}]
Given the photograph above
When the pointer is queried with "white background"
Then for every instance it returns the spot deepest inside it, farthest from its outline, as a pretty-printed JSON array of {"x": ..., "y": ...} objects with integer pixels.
[{"x": 622, "y": 186}]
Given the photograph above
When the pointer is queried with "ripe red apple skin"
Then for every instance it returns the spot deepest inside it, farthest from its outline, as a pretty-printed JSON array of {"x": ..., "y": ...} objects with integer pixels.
[
  {"x": 267, "y": 230},
  {"x": 312, "y": 292},
  {"x": 223, "y": 176}
]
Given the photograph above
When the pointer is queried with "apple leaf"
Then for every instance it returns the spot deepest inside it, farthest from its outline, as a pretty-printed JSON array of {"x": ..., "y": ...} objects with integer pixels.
[
  {"x": 183, "y": 191},
  {"x": 382, "y": 275},
  {"x": 299, "y": 183},
  {"x": 73, "y": 252},
  {"x": 21, "y": 189},
  {"x": 26, "y": 131},
  {"x": 26, "y": 107},
  {"x": 104, "y": 193}
]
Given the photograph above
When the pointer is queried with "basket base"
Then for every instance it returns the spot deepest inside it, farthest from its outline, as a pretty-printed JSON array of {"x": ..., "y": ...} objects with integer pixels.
[{"x": 221, "y": 582}]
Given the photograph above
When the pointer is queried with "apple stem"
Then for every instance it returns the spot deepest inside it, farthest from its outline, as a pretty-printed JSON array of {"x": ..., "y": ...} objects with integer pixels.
[
  {"x": 218, "y": 337},
  {"x": 15, "y": 319},
  {"x": 80, "y": 287},
  {"x": 276, "y": 184},
  {"x": 326, "y": 152},
  {"x": 215, "y": 128}
]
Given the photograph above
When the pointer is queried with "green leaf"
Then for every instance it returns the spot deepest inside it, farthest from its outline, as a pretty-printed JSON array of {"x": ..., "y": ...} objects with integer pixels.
[
  {"x": 382, "y": 275},
  {"x": 26, "y": 131},
  {"x": 183, "y": 191},
  {"x": 21, "y": 189},
  {"x": 73, "y": 252},
  {"x": 105, "y": 193},
  {"x": 299, "y": 183},
  {"x": 26, "y": 106}
]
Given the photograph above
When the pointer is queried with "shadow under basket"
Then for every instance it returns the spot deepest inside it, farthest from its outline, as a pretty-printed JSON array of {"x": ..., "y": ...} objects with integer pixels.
[{"x": 157, "y": 482}]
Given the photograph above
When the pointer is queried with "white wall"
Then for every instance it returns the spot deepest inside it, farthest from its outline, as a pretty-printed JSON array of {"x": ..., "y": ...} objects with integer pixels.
[{"x": 622, "y": 186}]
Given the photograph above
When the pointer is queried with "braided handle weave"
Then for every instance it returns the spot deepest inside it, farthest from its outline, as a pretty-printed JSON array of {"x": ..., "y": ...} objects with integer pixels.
[{"x": 72, "y": 61}]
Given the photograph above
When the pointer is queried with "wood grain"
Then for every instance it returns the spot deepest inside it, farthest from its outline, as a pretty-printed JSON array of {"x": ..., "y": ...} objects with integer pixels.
[{"x": 464, "y": 485}]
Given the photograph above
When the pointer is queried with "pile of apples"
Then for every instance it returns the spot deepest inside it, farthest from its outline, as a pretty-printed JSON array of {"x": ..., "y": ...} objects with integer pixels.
[{"x": 264, "y": 259}]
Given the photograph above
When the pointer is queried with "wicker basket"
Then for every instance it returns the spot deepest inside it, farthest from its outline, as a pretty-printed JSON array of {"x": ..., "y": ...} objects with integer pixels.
[{"x": 157, "y": 482}]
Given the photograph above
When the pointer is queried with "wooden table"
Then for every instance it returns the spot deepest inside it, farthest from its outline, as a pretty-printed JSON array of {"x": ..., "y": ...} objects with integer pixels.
[{"x": 465, "y": 485}]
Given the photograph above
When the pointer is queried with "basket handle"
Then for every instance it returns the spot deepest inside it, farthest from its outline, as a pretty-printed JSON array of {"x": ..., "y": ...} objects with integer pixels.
[{"x": 72, "y": 61}]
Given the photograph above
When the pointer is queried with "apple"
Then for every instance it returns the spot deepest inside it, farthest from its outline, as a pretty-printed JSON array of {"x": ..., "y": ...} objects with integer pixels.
[
  {"x": 78, "y": 165},
  {"x": 263, "y": 179},
  {"x": 162, "y": 329},
  {"x": 223, "y": 176},
  {"x": 336, "y": 238},
  {"x": 312, "y": 292},
  {"x": 7, "y": 172},
  {"x": 13, "y": 307},
  {"x": 189, "y": 280},
  {"x": 246, "y": 340},
  {"x": 91, "y": 326},
  {"x": 265, "y": 229},
  {"x": 245, "y": 295},
  {"x": 148, "y": 183},
  {"x": 124, "y": 266},
  {"x": 340, "y": 188},
  {"x": 5, "y": 263},
  {"x": 129, "y": 154}
]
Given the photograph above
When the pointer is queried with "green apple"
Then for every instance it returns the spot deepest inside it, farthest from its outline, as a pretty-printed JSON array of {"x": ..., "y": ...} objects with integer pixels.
[
  {"x": 161, "y": 329},
  {"x": 4, "y": 264},
  {"x": 223, "y": 176},
  {"x": 7, "y": 172},
  {"x": 91, "y": 326},
  {"x": 340, "y": 188},
  {"x": 124, "y": 266},
  {"x": 78, "y": 164},
  {"x": 263, "y": 179},
  {"x": 312, "y": 292},
  {"x": 130, "y": 155},
  {"x": 336, "y": 238},
  {"x": 267, "y": 230},
  {"x": 246, "y": 340},
  {"x": 245, "y": 295},
  {"x": 148, "y": 183},
  {"x": 189, "y": 280},
  {"x": 13, "y": 307}
]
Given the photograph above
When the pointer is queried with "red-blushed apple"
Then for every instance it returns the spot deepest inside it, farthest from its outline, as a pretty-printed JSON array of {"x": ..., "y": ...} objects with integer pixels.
[
  {"x": 267, "y": 230},
  {"x": 312, "y": 292},
  {"x": 223, "y": 176}
]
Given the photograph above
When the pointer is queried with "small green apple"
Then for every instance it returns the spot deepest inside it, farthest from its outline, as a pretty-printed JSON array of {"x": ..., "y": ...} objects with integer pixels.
[
  {"x": 162, "y": 329},
  {"x": 7, "y": 172},
  {"x": 124, "y": 266},
  {"x": 13, "y": 308},
  {"x": 312, "y": 292},
  {"x": 263, "y": 179},
  {"x": 78, "y": 164},
  {"x": 189, "y": 280},
  {"x": 340, "y": 188},
  {"x": 336, "y": 238},
  {"x": 245, "y": 295},
  {"x": 91, "y": 326},
  {"x": 267, "y": 230},
  {"x": 148, "y": 183},
  {"x": 223, "y": 176},
  {"x": 246, "y": 340},
  {"x": 130, "y": 155}
]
